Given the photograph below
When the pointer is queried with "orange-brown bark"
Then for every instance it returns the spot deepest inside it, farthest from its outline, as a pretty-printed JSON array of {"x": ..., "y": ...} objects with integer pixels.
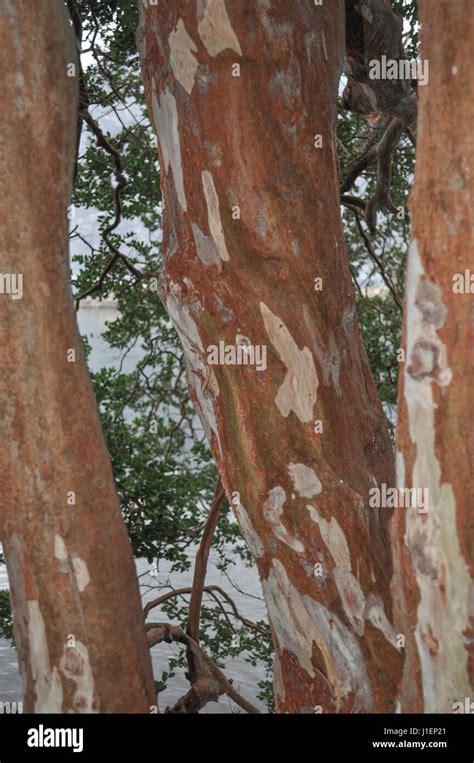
[
  {"x": 78, "y": 622},
  {"x": 238, "y": 93},
  {"x": 434, "y": 547}
]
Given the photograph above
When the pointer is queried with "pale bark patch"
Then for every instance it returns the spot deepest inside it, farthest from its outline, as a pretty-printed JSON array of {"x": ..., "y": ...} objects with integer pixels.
[
  {"x": 278, "y": 684},
  {"x": 76, "y": 666},
  {"x": 298, "y": 393},
  {"x": 253, "y": 541},
  {"x": 426, "y": 353},
  {"x": 344, "y": 658},
  {"x": 206, "y": 249},
  {"x": 201, "y": 377},
  {"x": 166, "y": 123},
  {"x": 70, "y": 562},
  {"x": 214, "y": 215},
  {"x": 334, "y": 539},
  {"x": 375, "y": 614},
  {"x": 216, "y": 30},
  {"x": 305, "y": 480},
  {"x": 352, "y": 598},
  {"x": 47, "y": 682},
  {"x": 400, "y": 466},
  {"x": 299, "y": 620},
  {"x": 60, "y": 550},
  {"x": 293, "y": 626},
  {"x": 182, "y": 61},
  {"x": 273, "y": 511},
  {"x": 432, "y": 537},
  {"x": 81, "y": 573}
]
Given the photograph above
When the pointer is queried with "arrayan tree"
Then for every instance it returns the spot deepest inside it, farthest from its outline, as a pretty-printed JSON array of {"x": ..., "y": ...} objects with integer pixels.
[
  {"x": 242, "y": 97},
  {"x": 78, "y": 622},
  {"x": 432, "y": 586},
  {"x": 244, "y": 105},
  {"x": 367, "y": 604}
]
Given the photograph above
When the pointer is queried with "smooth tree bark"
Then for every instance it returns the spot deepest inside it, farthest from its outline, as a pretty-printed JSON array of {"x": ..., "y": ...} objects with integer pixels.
[
  {"x": 78, "y": 623},
  {"x": 242, "y": 96},
  {"x": 433, "y": 591}
]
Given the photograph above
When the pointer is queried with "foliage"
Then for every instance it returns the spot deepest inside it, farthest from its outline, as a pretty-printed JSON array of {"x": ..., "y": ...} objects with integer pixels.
[{"x": 6, "y": 621}]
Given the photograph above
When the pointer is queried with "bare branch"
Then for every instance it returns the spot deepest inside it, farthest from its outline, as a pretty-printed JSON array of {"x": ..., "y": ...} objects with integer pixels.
[
  {"x": 203, "y": 690},
  {"x": 353, "y": 202},
  {"x": 212, "y": 590},
  {"x": 374, "y": 256},
  {"x": 385, "y": 149},
  {"x": 121, "y": 183},
  {"x": 202, "y": 557},
  {"x": 374, "y": 30}
]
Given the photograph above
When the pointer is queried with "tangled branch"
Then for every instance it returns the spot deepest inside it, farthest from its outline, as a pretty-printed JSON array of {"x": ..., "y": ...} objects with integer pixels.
[{"x": 209, "y": 685}]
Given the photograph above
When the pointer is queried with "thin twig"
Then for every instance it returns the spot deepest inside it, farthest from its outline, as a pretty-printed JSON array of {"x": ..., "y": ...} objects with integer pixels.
[
  {"x": 212, "y": 590},
  {"x": 121, "y": 183},
  {"x": 374, "y": 256}
]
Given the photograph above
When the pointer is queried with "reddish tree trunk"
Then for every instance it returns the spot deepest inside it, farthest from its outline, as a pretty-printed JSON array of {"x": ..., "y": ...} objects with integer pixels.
[
  {"x": 78, "y": 621},
  {"x": 433, "y": 581},
  {"x": 238, "y": 93}
]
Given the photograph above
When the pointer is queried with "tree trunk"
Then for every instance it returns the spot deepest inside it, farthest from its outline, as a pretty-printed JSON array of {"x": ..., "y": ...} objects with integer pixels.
[
  {"x": 432, "y": 585},
  {"x": 78, "y": 621},
  {"x": 243, "y": 100}
]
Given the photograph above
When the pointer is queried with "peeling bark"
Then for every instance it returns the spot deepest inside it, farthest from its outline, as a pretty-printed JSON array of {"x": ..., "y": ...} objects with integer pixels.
[
  {"x": 79, "y": 629},
  {"x": 433, "y": 591},
  {"x": 237, "y": 93}
]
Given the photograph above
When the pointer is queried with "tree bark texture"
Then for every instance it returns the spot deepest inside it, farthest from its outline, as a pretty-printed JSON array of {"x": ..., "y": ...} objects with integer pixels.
[
  {"x": 78, "y": 622},
  {"x": 242, "y": 96},
  {"x": 433, "y": 592}
]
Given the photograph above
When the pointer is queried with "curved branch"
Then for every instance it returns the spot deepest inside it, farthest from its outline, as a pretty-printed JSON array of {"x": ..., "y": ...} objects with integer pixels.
[
  {"x": 385, "y": 149},
  {"x": 202, "y": 557},
  {"x": 202, "y": 690},
  {"x": 212, "y": 590}
]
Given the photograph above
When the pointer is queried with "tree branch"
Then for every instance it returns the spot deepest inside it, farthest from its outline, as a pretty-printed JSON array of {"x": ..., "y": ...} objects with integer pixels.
[
  {"x": 212, "y": 590},
  {"x": 374, "y": 30},
  {"x": 121, "y": 183},
  {"x": 384, "y": 153},
  {"x": 374, "y": 256},
  {"x": 200, "y": 567},
  {"x": 203, "y": 689}
]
